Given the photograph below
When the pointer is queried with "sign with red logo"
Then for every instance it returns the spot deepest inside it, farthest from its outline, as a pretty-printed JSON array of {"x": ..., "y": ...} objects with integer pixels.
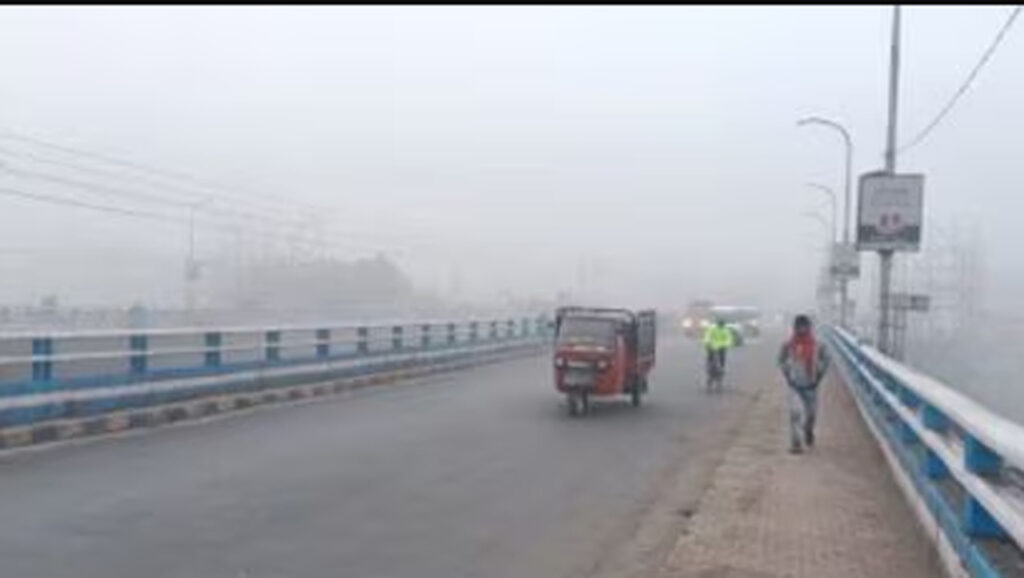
[{"x": 889, "y": 212}]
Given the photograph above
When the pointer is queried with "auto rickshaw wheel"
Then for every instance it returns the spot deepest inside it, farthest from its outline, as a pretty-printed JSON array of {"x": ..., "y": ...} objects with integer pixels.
[
  {"x": 636, "y": 394},
  {"x": 585, "y": 402}
]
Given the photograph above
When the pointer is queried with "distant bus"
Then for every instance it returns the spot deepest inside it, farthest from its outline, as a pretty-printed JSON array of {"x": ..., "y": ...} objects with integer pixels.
[{"x": 746, "y": 320}]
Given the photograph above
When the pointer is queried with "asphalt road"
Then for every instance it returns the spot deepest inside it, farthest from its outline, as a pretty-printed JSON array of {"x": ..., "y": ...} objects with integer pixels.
[{"x": 476, "y": 474}]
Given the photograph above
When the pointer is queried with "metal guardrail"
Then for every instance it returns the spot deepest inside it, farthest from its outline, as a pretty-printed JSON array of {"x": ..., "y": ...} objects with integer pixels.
[
  {"x": 75, "y": 374},
  {"x": 964, "y": 460}
]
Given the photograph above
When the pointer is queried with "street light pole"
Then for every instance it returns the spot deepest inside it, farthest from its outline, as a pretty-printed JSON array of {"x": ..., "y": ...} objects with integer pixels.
[
  {"x": 843, "y": 281},
  {"x": 824, "y": 285},
  {"x": 832, "y": 201},
  {"x": 821, "y": 220}
]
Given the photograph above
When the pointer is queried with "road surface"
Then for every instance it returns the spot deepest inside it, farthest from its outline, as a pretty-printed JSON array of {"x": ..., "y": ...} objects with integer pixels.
[{"x": 474, "y": 474}]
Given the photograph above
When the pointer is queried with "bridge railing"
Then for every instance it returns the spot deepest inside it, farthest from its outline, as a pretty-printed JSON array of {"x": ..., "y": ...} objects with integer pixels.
[
  {"x": 73, "y": 374},
  {"x": 964, "y": 462}
]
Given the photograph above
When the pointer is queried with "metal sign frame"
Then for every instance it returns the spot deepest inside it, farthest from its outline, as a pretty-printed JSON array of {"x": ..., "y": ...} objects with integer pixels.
[{"x": 890, "y": 212}]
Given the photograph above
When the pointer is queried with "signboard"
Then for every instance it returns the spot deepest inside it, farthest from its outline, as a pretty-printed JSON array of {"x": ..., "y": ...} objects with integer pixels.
[
  {"x": 889, "y": 212},
  {"x": 911, "y": 302},
  {"x": 845, "y": 261}
]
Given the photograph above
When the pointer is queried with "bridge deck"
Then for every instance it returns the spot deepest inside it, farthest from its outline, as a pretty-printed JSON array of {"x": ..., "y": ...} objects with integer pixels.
[
  {"x": 476, "y": 473},
  {"x": 834, "y": 511}
]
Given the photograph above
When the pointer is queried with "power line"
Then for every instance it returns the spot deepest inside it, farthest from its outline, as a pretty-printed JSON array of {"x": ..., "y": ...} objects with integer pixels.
[
  {"x": 272, "y": 216},
  {"x": 163, "y": 173},
  {"x": 194, "y": 195},
  {"x": 208, "y": 189},
  {"x": 167, "y": 218},
  {"x": 130, "y": 194},
  {"x": 298, "y": 225},
  {"x": 966, "y": 84},
  {"x": 58, "y": 200},
  {"x": 135, "y": 194},
  {"x": 93, "y": 187}
]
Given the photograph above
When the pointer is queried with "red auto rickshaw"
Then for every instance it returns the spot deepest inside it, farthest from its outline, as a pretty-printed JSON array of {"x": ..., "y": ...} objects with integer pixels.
[{"x": 602, "y": 353}]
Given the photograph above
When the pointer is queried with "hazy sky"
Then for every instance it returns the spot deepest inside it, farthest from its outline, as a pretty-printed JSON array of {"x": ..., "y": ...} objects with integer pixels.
[{"x": 650, "y": 153}]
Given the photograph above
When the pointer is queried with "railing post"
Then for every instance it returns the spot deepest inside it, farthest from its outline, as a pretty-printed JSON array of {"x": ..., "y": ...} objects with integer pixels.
[
  {"x": 425, "y": 336},
  {"x": 979, "y": 458},
  {"x": 451, "y": 334},
  {"x": 933, "y": 465},
  {"x": 907, "y": 434},
  {"x": 934, "y": 419},
  {"x": 362, "y": 340},
  {"x": 908, "y": 397},
  {"x": 493, "y": 331},
  {"x": 323, "y": 345},
  {"x": 272, "y": 340},
  {"x": 878, "y": 398},
  {"x": 978, "y": 522},
  {"x": 510, "y": 328},
  {"x": 42, "y": 363},
  {"x": 139, "y": 345},
  {"x": 524, "y": 327},
  {"x": 213, "y": 341},
  {"x": 396, "y": 337},
  {"x": 474, "y": 330}
]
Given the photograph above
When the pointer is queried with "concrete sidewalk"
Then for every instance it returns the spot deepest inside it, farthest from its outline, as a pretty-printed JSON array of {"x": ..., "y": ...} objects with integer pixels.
[{"x": 834, "y": 511}]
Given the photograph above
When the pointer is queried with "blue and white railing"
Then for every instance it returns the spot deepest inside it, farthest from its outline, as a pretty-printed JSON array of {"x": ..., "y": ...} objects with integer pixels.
[
  {"x": 76, "y": 374},
  {"x": 960, "y": 463}
]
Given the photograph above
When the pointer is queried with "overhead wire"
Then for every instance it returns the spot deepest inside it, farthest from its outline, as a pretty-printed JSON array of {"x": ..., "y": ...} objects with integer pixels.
[
  {"x": 195, "y": 197},
  {"x": 156, "y": 171},
  {"x": 168, "y": 218},
  {"x": 985, "y": 57}
]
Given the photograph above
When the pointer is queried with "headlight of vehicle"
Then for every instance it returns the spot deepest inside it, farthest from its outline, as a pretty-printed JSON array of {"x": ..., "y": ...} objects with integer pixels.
[
  {"x": 602, "y": 364},
  {"x": 559, "y": 362}
]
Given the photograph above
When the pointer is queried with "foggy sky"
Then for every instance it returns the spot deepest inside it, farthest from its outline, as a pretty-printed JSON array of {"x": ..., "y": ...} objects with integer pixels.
[{"x": 650, "y": 154}]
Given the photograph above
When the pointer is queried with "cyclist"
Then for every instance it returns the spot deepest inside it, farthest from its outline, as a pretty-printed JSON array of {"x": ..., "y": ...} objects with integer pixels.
[{"x": 717, "y": 340}]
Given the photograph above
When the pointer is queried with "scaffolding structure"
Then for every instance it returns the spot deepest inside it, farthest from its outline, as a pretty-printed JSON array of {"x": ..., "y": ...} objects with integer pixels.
[{"x": 949, "y": 270}]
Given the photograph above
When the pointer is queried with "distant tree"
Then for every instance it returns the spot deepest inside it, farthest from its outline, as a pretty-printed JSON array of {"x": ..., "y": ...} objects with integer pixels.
[{"x": 326, "y": 285}]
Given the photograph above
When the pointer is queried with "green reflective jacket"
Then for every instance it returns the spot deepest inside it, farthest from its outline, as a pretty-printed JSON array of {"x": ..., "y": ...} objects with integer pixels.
[{"x": 716, "y": 337}]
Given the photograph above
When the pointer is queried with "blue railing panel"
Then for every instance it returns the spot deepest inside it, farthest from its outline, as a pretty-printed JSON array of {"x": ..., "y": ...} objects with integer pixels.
[{"x": 941, "y": 437}]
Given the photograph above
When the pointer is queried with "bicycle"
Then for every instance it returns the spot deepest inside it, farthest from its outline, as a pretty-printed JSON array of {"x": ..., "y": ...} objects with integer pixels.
[{"x": 715, "y": 371}]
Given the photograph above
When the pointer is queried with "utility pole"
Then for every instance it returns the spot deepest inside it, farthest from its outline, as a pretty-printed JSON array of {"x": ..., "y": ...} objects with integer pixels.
[
  {"x": 191, "y": 266},
  {"x": 886, "y": 256}
]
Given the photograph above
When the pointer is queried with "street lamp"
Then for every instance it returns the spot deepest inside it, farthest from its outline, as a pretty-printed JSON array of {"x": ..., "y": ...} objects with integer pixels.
[
  {"x": 844, "y": 281},
  {"x": 825, "y": 286},
  {"x": 832, "y": 201},
  {"x": 815, "y": 215}
]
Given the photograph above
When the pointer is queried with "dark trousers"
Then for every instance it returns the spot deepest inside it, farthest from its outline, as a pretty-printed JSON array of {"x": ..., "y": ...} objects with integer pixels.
[{"x": 720, "y": 353}]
